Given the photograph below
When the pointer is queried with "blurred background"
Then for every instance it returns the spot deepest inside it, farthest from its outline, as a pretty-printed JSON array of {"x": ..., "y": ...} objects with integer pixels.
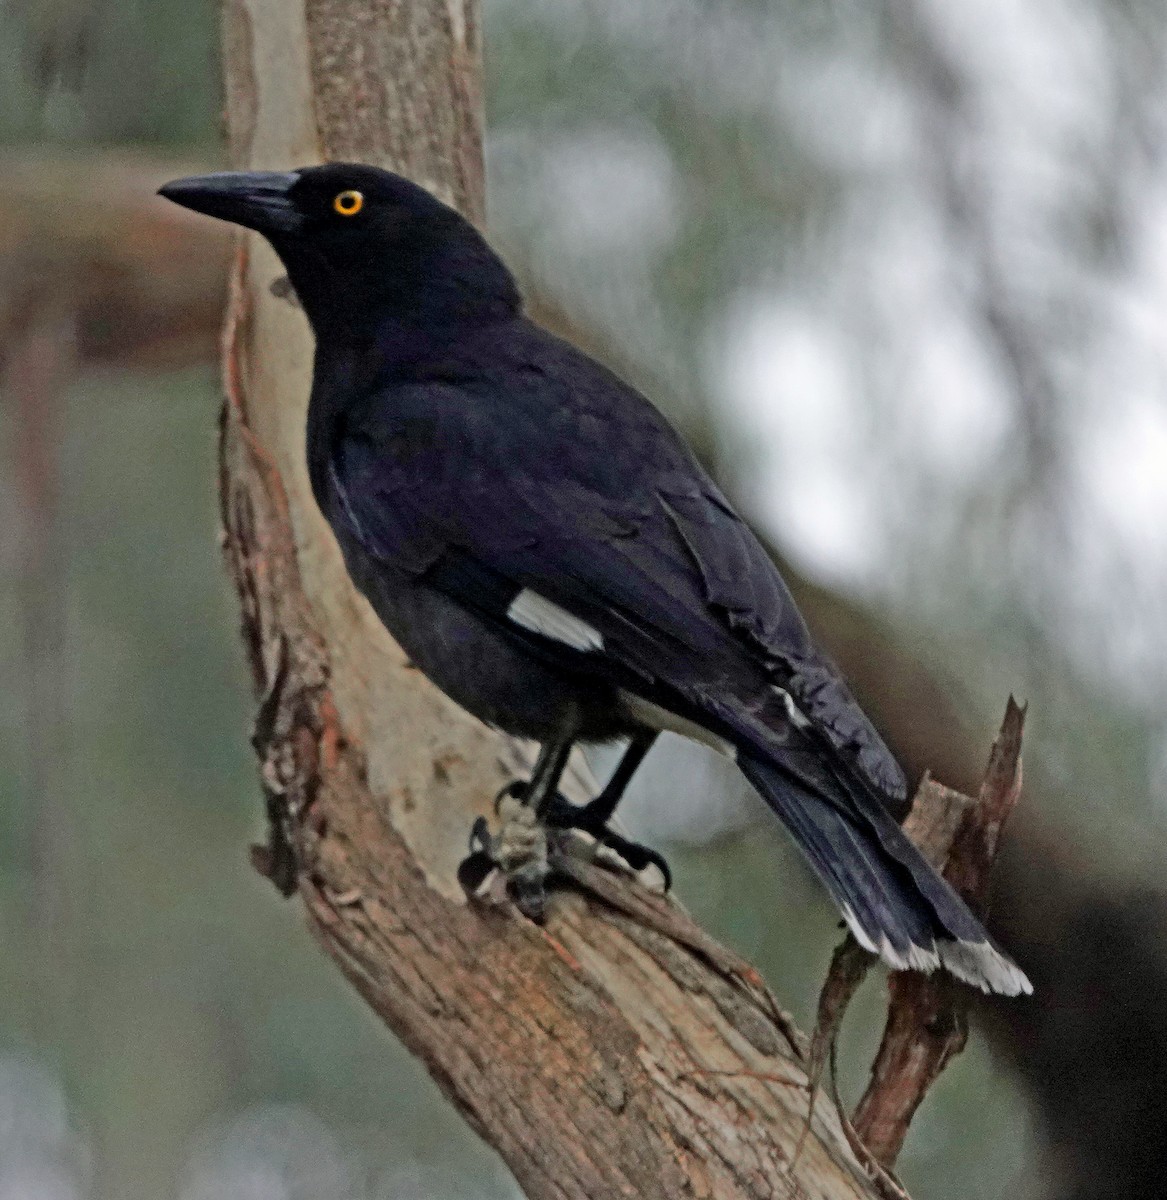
[{"x": 898, "y": 269}]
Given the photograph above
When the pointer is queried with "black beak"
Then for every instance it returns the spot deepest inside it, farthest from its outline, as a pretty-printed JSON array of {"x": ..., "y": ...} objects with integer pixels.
[{"x": 255, "y": 199}]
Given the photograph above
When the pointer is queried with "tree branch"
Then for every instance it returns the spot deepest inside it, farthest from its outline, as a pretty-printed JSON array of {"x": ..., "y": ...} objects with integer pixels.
[
  {"x": 618, "y": 1051},
  {"x": 927, "y": 1022}
]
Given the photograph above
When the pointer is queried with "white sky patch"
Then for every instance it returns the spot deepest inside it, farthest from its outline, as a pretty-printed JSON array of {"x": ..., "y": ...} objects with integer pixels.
[
  {"x": 790, "y": 389},
  {"x": 42, "y": 1156},
  {"x": 852, "y": 115},
  {"x": 685, "y": 792},
  {"x": 945, "y": 405},
  {"x": 1043, "y": 53},
  {"x": 611, "y": 190},
  {"x": 954, "y": 418},
  {"x": 1132, "y": 356},
  {"x": 267, "y": 1152},
  {"x": 1125, "y": 467},
  {"x": 1118, "y": 576}
]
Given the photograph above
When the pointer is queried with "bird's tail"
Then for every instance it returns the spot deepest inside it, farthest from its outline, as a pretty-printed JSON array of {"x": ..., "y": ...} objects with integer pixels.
[{"x": 895, "y": 904}]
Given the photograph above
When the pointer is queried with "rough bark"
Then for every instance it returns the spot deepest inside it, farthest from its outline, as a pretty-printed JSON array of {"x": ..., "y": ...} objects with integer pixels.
[{"x": 618, "y": 1051}]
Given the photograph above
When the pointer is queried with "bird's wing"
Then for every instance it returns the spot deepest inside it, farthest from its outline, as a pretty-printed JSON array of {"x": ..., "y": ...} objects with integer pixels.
[
  {"x": 592, "y": 534},
  {"x": 582, "y": 526}
]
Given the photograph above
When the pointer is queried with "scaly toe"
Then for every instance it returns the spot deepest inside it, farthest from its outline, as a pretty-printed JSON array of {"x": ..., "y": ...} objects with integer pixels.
[
  {"x": 512, "y": 810},
  {"x": 582, "y": 830}
]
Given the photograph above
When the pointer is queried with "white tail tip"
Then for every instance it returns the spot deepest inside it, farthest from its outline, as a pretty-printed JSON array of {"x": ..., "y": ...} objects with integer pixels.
[{"x": 980, "y": 964}]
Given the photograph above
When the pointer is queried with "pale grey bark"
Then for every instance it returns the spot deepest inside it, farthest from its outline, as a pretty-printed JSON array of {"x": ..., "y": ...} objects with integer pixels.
[{"x": 618, "y": 1052}]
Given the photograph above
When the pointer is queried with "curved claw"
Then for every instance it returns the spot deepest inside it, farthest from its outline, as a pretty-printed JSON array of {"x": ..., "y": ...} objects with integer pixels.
[
  {"x": 474, "y": 870},
  {"x": 639, "y": 857},
  {"x": 515, "y": 790},
  {"x": 526, "y": 882},
  {"x": 522, "y": 859},
  {"x": 562, "y": 814},
  {"x": 479, "y": 836},
  {"x": 479, "y": 864}
]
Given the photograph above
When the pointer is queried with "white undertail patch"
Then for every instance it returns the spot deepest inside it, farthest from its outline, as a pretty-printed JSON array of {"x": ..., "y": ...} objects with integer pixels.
[
  {"x": 545, "y": 617},
  {"x": 984, "y": 966},
  {"x": 980, "y": 964},
  {"x": 656, "y": 717},
  {"x": 915, "y": 958}
]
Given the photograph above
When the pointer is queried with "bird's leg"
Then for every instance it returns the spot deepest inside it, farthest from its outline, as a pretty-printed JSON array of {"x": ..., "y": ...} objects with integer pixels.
[
  {"x": 519, "y": 849},
  {"x": 593, "y": 818},
  {"x": 598, "y": 812},
  {"x": 549, "y": 768}
]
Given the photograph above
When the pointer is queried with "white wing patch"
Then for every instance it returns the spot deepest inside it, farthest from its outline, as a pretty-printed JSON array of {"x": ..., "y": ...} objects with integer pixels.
[{"x": 545, "y": 617}]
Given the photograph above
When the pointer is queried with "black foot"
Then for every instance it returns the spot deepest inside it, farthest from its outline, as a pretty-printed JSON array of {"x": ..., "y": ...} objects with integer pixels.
[
  {"x": 515, "y": 790},
  {"x": 476, "y": 868},
  {"x": 592, "y": 819}
]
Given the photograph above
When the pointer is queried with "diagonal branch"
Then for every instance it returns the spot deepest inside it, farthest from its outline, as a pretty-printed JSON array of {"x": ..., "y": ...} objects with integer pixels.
[
  {"x": 927, "y": 1021},
  {"x": 619, "y": 1051}
]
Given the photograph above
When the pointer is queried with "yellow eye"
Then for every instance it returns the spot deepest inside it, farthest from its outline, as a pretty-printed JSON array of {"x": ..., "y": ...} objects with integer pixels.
[{"x": 348, "y": 204}]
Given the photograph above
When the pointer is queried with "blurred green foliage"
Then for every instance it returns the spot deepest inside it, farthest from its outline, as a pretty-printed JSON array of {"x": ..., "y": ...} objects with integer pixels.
[
  {"x": 181, "y": 990},
  {"x": 94, "y": 72}
]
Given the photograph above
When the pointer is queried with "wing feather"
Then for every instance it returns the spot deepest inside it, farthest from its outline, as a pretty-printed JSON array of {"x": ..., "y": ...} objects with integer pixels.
[{"x": 562, "y": 480}]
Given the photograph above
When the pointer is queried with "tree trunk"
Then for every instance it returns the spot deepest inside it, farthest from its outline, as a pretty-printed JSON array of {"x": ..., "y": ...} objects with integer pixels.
[{"x": 618, "y": 1051}]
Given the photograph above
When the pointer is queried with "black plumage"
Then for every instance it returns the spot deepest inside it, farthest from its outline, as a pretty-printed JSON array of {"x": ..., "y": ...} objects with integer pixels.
[{"x": 549, "y": 552}]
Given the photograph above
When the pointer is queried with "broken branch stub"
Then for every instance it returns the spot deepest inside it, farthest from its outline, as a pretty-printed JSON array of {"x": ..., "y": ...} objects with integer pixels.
[{"x": 927, "y": 1021}]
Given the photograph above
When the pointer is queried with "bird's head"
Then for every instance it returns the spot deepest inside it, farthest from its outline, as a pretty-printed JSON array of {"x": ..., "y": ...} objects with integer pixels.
[{"x": 362, "y": 246}]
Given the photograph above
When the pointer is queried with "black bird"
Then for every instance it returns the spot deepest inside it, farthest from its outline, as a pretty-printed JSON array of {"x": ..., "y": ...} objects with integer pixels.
[{"x": 548, "y": 551}]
